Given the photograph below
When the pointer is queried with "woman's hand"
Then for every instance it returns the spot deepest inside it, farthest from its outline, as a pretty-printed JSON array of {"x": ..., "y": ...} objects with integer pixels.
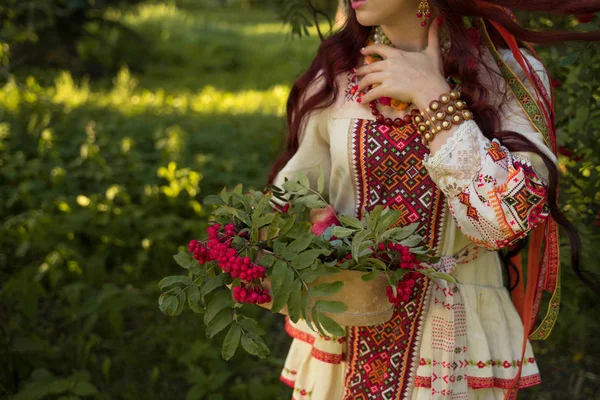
[{"x": 408, "y": 76}]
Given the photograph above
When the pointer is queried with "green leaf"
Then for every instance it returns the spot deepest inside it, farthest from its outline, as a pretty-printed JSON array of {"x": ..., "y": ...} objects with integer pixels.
[
  {"x": 411, "y": 241},
  {"x": 264, "y": 220},
  {"x": 376, "y": 263},
  {"x": 281, "y": 284},
  {"x": 231, "y": 342},
  {"x": 334, "y": 307},
  {"x": 342, "y": 232},
  {"x": 59, "y": 386},
  {"x": 83, "y": 388},
  {"x": 399, "y": 274},
  {"x": 171, "y": 302},
  {"x": 311, "y": 201},
  {"x": 370, "y": 276},
  {"x": 321, "y": 180},
  {"x": 299, "y": 244},
  {"x": 237, "y": 242},
  {"x": 331, "y": 326},
  {"x": 243, "y": 200},
  {"x": 303, "y": 179},
  {"x": 357, "y": 242},
  {"x": 309, "y": 275},
  {"x": 326, "y": 289},
  {"x": 211, "y": 284},
  {"x": 293, "y": 187},
  {"x": 219, "y": 322},
  {"x": 308, "y": 258},
  {"x": 569, "y": 59},
  {"x": 171, "y": 280},
  {"x": 261, "y": 207},
  {"x": 399, "y": 233},
  {"x": 193, "y": 298},
  {"x": 218, "y": 301},
  {"x": 373, "y": 216},
  {"x": 239, "y": 189},
  {"x": 351, "y": 221},
  {"x": 314, "y": 314},
  {"x": 225, "y": 195},
  {"x": 212, "y": 200},
  {"x": 275, "y": 224},
  {"x": 254, "y": 345},
  {"x": 185, "y": 260},
  {"x": 388, "y": 217},
  {"x": 305, "y": 303},
  {"x": 295, "y": 302},
  {"x": 433, "y": 274},
  {"x": 266, "y": 260},
  {"x": 287, "y": 225},
  {"x": 251, "y": 325},
  {"x": 279, "y": 247}
]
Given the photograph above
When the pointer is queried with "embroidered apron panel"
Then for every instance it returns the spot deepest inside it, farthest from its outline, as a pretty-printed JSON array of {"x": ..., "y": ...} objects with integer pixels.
[{"x": 388, "y": 170}]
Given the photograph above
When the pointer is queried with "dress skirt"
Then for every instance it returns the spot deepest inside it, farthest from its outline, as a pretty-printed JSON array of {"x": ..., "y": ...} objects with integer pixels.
[{"x": 481, "y": 365}]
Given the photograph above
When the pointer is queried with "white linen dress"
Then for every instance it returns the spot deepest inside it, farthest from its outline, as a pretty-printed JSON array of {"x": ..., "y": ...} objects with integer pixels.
[{"x": 456, "y": 342}]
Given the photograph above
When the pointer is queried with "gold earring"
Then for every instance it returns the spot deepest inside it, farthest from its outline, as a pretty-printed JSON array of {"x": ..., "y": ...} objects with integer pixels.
[{"x": 423, "y": 11}]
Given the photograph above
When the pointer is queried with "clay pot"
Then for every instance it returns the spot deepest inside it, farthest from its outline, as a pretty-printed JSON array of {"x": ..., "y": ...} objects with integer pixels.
[{"x": 367, "y": 301}]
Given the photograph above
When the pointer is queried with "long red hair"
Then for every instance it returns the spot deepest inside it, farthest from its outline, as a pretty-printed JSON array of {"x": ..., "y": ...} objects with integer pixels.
[{"x": 341, "y": 52}]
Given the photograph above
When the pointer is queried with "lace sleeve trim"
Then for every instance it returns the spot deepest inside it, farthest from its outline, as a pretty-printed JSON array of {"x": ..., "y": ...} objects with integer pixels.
[{"x": 454, "y": 166}]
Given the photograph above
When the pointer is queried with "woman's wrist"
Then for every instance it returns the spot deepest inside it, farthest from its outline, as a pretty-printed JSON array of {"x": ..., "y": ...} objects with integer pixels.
[
  {"x": 429, "y": 93},
  {"x": 442, "y": 113}
]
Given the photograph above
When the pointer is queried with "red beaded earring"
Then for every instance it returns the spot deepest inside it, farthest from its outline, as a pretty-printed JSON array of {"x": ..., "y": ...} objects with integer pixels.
[{"x": 423, "y": 11}]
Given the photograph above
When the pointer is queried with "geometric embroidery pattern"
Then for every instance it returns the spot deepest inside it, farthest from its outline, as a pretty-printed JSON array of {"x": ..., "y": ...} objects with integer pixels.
[
  {"x": 471, "y": 211},
  {"x": 388, "y": 170}
]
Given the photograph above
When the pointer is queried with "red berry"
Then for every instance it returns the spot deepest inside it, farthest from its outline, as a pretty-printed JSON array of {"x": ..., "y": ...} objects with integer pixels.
[{"x": 381, "y": 246}]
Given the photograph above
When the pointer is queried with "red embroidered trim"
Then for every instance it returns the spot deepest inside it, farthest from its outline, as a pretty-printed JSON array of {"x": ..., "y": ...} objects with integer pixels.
[
  {"x": 288, "y": 382},
  {"x": 320, "y": 355},
  {"x": 486, "y": 383},
  {"x": 327, "y": 357},
  {"x": 297, "y": 333}
]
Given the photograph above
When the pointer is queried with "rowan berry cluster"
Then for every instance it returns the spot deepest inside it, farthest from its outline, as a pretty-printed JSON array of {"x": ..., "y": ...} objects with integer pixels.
[
  {"x": 403, "y": 259},
  {"x": 251, "y": 294},
  {"x": 218, "y": 248},
  {"x": 345, "y": 258},
  {"x": 404, "y": 288}
]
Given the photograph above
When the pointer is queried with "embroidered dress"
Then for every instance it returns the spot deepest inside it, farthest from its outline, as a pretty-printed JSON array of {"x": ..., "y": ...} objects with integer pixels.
[{"x": 472, "y": 197}]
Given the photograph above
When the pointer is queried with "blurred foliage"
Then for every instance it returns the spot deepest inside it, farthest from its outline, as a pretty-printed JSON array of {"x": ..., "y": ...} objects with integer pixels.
[{"x": 105, "y": 154}]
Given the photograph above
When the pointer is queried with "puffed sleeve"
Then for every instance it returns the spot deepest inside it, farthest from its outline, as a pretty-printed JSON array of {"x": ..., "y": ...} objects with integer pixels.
[
  {"x": 313, "y": 152},
  {"x": 496, "y": 196}
]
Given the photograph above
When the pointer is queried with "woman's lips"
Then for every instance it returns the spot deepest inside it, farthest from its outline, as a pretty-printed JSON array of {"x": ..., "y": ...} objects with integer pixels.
[{"x": 358, "y": 3}]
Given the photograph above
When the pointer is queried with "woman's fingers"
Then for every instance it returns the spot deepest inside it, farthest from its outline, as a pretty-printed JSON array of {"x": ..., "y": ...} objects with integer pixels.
[
  {"x": 377, "y": 66},
  {"x": 383, "y": 50},
  {"x": 373, "y": 94},
  {"x": 370, "y": 79}
]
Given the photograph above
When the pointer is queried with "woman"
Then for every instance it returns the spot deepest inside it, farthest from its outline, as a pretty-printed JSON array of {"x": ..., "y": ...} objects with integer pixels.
[{"x": 480, "y": 183}]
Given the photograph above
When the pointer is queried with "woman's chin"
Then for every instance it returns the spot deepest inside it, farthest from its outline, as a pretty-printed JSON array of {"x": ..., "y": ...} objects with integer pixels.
[{"x": 367, "y": 19}]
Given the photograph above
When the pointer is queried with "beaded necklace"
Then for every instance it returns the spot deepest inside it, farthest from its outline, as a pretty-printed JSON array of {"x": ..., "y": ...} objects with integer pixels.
[{"x": 378, "y": 36}]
